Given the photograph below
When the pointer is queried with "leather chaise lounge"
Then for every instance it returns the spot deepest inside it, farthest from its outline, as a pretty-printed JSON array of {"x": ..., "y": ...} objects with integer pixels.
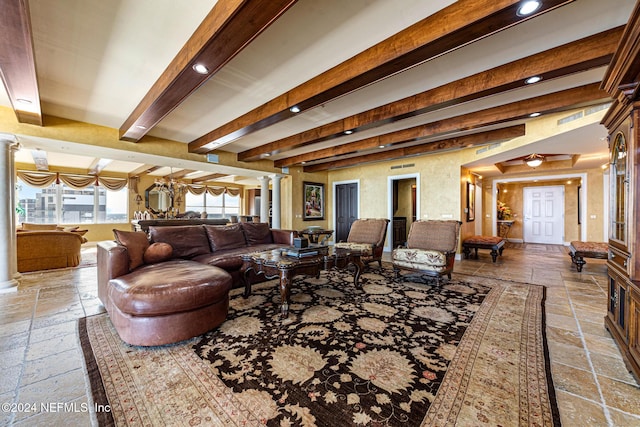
[{"x": 174, "y": 283}]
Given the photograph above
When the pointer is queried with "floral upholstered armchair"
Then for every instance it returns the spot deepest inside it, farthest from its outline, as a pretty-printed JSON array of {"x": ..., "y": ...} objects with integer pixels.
[
  {"x": 431, "y": 248},
  {"x": 367, "y": 236}
]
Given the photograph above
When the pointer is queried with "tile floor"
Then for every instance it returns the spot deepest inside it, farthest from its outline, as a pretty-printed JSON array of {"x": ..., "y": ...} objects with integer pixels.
[{"x": 41, "y": 362}]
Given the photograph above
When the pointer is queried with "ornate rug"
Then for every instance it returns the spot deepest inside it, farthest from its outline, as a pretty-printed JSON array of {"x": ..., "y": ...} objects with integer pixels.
[{"x": 394, "y": 353}]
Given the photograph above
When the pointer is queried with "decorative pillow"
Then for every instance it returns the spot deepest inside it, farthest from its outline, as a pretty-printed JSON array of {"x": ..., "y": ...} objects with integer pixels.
[
  {"x": 187, "y": 241},
  {"x": 225, "y": 237},
  {"x": 136, "y": 243},
  {"x": 257, "y": 233},
  {"x": 157, "y": 252}
]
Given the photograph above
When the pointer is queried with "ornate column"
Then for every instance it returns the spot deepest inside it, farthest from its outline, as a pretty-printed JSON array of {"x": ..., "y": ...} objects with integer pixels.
[
  {"x": 8, "y": 257},
  {"x": 264, "y": 199},
  {"x": 275, "y": 206}
]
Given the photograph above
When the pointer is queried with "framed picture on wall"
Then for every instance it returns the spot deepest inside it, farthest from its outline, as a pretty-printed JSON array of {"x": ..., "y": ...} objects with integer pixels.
[
  {"x": 471, "y": 202},
  {"x": 313, "y": 201}
]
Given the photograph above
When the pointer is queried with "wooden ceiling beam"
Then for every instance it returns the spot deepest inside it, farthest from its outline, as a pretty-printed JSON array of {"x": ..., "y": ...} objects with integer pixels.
[
  {"x": 457, "y": 25},
  {"x": 227, "y": 29},
  {"x": 182, "y": 173},
  {"x": 209, "y": 177},
  {"x": 144, "y": 170},
  {"x": 559, "y": 101},
  {"x": 17, "y": 61},
  {"x": 466, "y": 141},
  {"x": 581, "y": 55}
]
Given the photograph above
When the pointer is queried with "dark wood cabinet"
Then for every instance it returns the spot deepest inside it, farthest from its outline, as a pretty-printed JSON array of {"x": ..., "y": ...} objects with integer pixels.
[{"x": 623, "y": 123}]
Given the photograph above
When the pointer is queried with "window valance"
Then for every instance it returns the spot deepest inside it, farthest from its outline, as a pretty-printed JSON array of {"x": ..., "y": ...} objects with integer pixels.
[
  {"x": 214, "y": 191},
  {"x": 45, "y": 179}
]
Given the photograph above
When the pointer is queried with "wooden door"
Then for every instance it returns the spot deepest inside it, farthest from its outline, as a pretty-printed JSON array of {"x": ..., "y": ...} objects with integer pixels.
[
  {"x": 544, "y": 215},
  {"x": 346, "y": 209}
]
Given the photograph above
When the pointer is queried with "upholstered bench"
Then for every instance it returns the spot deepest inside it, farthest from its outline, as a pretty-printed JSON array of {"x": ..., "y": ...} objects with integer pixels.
[
  {"x": 579, "y": 250},
  {"x": 483, "y": 242}
]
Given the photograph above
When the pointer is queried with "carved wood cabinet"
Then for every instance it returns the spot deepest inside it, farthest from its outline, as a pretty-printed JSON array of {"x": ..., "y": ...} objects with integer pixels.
[{"x": 622, "y": 82}]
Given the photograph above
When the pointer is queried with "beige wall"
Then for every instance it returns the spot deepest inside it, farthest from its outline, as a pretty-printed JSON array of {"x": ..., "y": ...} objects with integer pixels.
[{"x": 439, "y": 185}]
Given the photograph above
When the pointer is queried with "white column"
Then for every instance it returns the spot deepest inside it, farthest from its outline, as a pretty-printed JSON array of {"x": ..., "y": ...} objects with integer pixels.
[
  {"x": 7, "y": 214},
  {"x": 275, "y": 206},
  {"x": 264, "y": 199}
]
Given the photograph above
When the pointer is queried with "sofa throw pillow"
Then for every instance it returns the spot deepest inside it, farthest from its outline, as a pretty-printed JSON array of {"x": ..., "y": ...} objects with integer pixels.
[
  {"x": 136, "y": 243},
  {"x": 257, "y": 233},
  {"x": 157, "y": 252},
  {"x": 225, "y": 237},
  {"x": 187, "y": 241}
]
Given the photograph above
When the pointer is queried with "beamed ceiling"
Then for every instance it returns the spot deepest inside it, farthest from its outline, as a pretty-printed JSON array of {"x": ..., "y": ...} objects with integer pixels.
[{"x": 374, "y": 80}]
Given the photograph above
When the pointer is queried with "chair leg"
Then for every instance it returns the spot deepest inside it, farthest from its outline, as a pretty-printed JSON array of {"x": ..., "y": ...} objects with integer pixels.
[{"x": 396, "y": 272}]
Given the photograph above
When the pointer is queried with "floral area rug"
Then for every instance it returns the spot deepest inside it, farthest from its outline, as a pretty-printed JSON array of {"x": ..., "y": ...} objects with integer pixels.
[{"x": 395, "y": 352}]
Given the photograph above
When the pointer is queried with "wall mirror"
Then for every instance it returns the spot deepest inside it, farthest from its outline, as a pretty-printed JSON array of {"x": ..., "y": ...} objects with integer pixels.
[{"x": 157, "y": 199}]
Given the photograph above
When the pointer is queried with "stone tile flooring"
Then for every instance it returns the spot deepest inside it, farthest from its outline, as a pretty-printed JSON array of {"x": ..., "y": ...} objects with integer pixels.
[{"x": 41, "y": 361}]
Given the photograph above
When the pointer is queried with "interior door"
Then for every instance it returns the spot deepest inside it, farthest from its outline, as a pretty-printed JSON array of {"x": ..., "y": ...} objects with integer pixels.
[
  {"x": 346, "y": 209},
  {"x": 544, "y": 215}
]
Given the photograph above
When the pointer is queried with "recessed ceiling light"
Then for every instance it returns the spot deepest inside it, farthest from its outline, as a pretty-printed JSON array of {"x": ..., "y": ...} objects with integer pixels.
[
  {"x": 528, "y": 7},
  {"x": 348, "y": 132},
  {"x": 201, "y": 69},
  {"x": 141, "y": 127},
  {"x": 23, "y": 101},
  {"x": 295, "y": 109},
  {"x": 267, "y": 154},
  {"x": 534, "y": 114},
  {"x": 534, "y": 79},
  {"x": 380, "y": 146},
  {"x": 303, "y": 162}
]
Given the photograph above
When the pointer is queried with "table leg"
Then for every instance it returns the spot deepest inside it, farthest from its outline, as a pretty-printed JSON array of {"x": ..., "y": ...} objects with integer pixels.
[
  {"x": 359, "y": 265},
  {"x": 244, "y": 274},
  {"x": 285, "y": 291}
]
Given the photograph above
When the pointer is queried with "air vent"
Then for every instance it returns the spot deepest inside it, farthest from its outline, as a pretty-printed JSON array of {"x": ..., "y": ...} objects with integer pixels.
[
  {"x": 571, "y": 118},
  {"x": 592, "y": 110},
  {"x": 396, "y": 167},
  {"x": 487, "y": 148},
  {"x": 408, "y": 165}
]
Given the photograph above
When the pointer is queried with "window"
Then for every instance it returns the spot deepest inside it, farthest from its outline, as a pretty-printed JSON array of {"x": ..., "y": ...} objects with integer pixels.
[
  {"x": 221, "y": 206},
  {"x": 61, "y": 204}
]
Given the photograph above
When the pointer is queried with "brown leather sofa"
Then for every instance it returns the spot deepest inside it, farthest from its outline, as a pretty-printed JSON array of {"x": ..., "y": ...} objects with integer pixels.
[
  {"x": 47, "y": 249},
  {"x": 186, "y": 294}
]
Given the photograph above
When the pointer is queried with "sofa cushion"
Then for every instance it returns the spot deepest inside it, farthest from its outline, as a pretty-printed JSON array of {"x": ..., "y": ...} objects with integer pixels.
[
  {"x": 187, "y": 241},
  {"x": 136, "y": 243},
  {"x": 256, "y": 233},
  {"x": 158, "y": 252},
  {"x": 169, "y": 287},
  {"x": 223, "y": 237}
]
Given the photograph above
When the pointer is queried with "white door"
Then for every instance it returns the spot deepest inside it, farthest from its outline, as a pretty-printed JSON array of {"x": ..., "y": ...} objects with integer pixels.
[{"x": 544, "y": 215}]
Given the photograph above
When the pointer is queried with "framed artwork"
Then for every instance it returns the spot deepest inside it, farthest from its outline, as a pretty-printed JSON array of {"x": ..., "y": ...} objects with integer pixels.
[
  {"x": 471, "y": 202},
  {"x": 313, "y": 201}
]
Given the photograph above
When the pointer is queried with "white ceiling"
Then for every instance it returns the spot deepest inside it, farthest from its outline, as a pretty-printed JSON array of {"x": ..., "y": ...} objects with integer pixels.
[{"x": 96, "y": 60}]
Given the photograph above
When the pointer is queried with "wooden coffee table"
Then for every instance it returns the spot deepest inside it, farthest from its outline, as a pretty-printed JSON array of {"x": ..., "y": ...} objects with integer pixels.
[{"x": 274, "y": 264}]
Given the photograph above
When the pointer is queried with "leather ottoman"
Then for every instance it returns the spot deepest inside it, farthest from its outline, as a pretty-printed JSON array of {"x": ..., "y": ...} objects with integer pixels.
[{"x": 168, "y": 302}]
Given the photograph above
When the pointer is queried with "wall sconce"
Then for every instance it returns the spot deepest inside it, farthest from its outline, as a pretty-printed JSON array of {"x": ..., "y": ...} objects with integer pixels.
[
  {"x": 138, "y": 200},
  {"x": 534, "y": 160}
]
